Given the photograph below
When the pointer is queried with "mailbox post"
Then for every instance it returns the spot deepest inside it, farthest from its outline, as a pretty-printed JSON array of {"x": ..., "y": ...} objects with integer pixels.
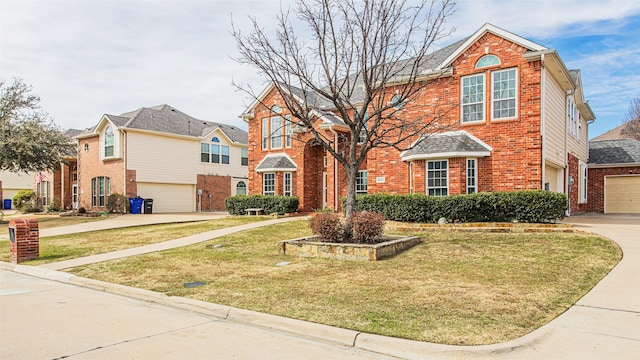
[{"x": 24, "y": 237}]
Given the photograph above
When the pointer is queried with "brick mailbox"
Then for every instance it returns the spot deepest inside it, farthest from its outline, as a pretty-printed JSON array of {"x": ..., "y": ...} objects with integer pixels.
[{"x": 24, "y": 237}]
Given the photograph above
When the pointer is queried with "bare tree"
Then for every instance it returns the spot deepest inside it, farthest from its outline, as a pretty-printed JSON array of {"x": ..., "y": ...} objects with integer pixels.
[
  {"x": 364, "y": 61},
  {"x": 29, "y": 141},
  {"x": 632, "y": 119}
]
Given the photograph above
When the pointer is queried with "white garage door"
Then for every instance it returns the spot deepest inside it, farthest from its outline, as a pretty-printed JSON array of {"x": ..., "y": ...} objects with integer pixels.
[
  {"x": 622, "y": 194},
  {"x": 169, "y": 197}
]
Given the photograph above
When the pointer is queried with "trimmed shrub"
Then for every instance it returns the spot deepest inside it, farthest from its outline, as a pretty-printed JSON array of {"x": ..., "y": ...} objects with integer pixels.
[
  {"x": 117, "y": 203},
  {"x": 328, "y": 226},
  {"x": 55, "y": 205},
  {"x": 523, "y": 206},
  {"x": 367, "y": 227},
  {"x": 23, "y": 198},
  {"x": 238, "y": 204}
]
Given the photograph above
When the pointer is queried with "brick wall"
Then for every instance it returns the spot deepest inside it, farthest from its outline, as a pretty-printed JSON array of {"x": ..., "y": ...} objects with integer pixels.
[
  {"x": 218, "y": 186},
  {"x": 595, "y": 194},
  {"x": 90, "y": 166},
  {"x": 27, "y": 240}
]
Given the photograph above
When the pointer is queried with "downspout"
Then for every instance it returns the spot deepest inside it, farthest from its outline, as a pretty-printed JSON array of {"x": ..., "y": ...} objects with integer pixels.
[
  {"x": 543, "y": 84},
  {"x": 335, "y": 169},
  {"x": 124, "y": 139}
]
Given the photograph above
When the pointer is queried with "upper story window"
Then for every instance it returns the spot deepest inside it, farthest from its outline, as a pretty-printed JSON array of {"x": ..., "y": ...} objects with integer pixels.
[
  {"x": 503, "y": 94},
  {"x": 214, "y": 152},
  {"x": 365, "y": 126},
  {"x": 573, "y": 118},
  {"x": 276, "y": 130},
  {"x": 472, "y": 93},
  {"x": 108, "y": 142},
  {"x": 397, "y": 101},
  {"x": 487, "y": 60},
  {"x": 244, "y": 156}
]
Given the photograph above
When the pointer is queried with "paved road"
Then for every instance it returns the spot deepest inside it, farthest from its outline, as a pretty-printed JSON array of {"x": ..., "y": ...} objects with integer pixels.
[{"x": 44, "y": 314}]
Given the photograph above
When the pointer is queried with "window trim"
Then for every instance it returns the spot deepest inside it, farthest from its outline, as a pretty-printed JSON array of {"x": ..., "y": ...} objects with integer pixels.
[
  {"x": 487, "y": 56},
  {"x": 287, "y": 184},
  {"x": 98, "y": 198},
  {"x": 276, "y": 133},
  {"x": 288, "y": 131},
  {"x": 207, "y": 153},
  {"x": 583, "y": 186},
  {"x": 109, "y": 143},
  {"x": 244, "y": 186},
  {"x": 364, "y": 187},
  {"x": 244, "y": 156},
  {"x": 265, "y": 133},
  {"x": 446, "y": 169},
  {"x": 484, "y": 99},
  {"x": 473, "y": 176},
  {"x": 493, "y": 97},
  {"x": 272, "y": 177},
  {"x": 225, "y": 149}
]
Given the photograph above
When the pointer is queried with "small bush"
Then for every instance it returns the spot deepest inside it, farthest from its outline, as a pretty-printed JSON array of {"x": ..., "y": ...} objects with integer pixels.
[
  {"x": 117, "y": 203},
  {"x": 367, "y": 227},
  {"x": 327, "y": 226},
  {"x": 238, "y": 204},
  {"x": 82, "y": 210},
  {"x": 31, "y": 208},
  {"x": 23, "y": 198},
  {"x": 55, "y": 205}
]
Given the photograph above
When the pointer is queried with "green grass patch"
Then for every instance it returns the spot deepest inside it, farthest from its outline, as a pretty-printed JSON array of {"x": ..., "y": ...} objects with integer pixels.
[
  {"x": 64, "y": 247},
  {"x": 455, "y": 288}
]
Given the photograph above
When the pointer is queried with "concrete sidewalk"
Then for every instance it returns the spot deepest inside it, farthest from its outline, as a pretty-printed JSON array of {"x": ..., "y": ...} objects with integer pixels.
[{"x": 81, "y": 323}]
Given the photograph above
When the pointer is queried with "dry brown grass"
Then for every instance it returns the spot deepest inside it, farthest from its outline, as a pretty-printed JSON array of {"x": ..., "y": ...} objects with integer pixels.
[
  {"x": 50, "y": 221},
  {"x": 455, "y": 288},
  {"x": 64, "y": 247}
]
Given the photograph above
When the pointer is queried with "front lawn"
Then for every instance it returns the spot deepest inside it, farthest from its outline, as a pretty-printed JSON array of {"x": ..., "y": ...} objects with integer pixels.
[
  {"x": 455, "y": 288},
  {"x": 64, "y": 247}
]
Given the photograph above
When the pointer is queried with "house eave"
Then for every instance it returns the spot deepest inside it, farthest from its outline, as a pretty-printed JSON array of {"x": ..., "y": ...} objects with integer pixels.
[
  {"x": 447, "y": 155},
  {"x": 605, "y": 166}
]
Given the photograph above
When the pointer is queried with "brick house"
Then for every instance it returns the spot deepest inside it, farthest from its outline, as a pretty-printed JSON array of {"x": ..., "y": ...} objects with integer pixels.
[
  {"x": 182, "y": 163},
  {"x": 531, "y": 136},
  {"x": 614, "y": 174}
]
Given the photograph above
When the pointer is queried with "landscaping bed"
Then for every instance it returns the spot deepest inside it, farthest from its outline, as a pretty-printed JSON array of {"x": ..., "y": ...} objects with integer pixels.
[{"x": 312, "y": 246}]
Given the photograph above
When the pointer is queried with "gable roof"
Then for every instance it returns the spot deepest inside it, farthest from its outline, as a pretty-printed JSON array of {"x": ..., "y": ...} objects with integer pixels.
[
  {"x": 276, "y": 162},
  {"x": 614, "y": 152},
  {"x": 615, "y": 133},
  {"x": 168, "y": 120},
  {"x": 445, "y": 145}
]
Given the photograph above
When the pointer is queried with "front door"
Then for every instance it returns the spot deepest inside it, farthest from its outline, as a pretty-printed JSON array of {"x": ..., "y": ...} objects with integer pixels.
[{"x": 74, "y": 196}]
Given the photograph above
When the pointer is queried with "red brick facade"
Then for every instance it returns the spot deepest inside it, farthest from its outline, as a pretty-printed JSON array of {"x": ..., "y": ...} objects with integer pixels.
[
  {"x": 515, "y": 162},
  {"x": 215, "y": 189},
  {"x": 91, "y": 166}
]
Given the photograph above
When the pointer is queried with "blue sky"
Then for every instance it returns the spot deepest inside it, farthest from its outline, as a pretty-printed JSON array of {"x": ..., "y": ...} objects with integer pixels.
[{"x": 85, "y": 58}]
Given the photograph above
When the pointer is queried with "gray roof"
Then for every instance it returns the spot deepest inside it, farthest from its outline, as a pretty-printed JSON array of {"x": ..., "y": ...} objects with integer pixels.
[
  {"x": 277, "y": 162},
  {"x": 618, "y": 151},
  {"x": 166, "y": 119},
  {"x": 69, "y": 134},
  {"x": 449, "y": 144}
]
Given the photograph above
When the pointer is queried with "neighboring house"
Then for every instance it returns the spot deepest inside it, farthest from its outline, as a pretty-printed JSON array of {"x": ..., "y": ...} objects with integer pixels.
[
  {"x": 533, "y": 137},
  {"x": 614, "y": 174},
  {"x": 182, "y": 163},
  {"x": 11, "y": 183},
  {"x": 64, "y": 180}
]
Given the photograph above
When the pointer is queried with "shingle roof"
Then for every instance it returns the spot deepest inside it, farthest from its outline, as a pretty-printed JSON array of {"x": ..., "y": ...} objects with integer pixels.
[
  {"x": 447, "y": 144},
  {"x": 615, "y": 133},
  {"x": 276, "y": 162},
  {"x": 618, "y": 151},
  {"x": 166, "y": 119}
]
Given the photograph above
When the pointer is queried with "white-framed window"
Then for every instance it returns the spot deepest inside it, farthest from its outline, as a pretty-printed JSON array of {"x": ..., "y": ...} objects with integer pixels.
[
  {"x": 276, "y": 132},
  {"x": 265, "y": 133},
  {"x": 504, "y": 94},
  {"x": 215, "y": 153},
  {"x": 365, "y": 126},
  {"x": 288, "y": 131},
  {"x": 573, "y": 118},
  {"x": 286, "y": 182},
  {"x": 472, "y": 98},
  {"x": 472, "y": 176},
  {"x": 44, "y": 192},
  {"x": 100, "y": 190},
  {"x": 244, "y": 156},
  {"x": 241, "y": 188},
  {"x": 205, "y": 153},
  {"x": 108, "y": 142},
  {"x": 362, "y": 182},
  {"x": 269, "y": 184},
  {"x": 225, "y": 154},
  {"x": 437, "y": 178},
  {"x": 397, "y": 101},
  {"x": 487, "y": 60},
  {"x": 584, "y": 178}
]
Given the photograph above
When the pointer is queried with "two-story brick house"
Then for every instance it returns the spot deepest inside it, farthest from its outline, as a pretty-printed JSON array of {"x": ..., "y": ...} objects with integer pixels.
[
  {"x": 520, "y": 122},
  {"x": 184, "y": 164}
]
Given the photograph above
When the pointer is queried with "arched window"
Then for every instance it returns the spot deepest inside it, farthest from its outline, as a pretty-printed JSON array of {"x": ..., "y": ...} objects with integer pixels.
[
  {"x": 108, "y": 142},
  {"x": 397, "y": 101},
  {"x": 215, "y": 139},
  {"x": 241, "y": 188},
  {"x": 86, "y": 147},
  {"x": 487, "y": 60},
  {"x": 276, "y": 109}
]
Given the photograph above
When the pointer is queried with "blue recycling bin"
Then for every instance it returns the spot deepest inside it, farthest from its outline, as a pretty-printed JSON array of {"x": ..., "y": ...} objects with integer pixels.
[
  {"x": 7, "y": 204},
  {"x": 136, "y": 205}
]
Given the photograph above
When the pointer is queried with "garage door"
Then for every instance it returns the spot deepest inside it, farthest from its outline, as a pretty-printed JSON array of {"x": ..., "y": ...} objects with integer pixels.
[
  {"x": 169, "y": 197},
  {"x": 622, "y": 194}
]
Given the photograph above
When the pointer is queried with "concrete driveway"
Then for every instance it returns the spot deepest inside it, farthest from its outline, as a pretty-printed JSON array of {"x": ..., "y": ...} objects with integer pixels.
[{"x": 44, "y": 314}]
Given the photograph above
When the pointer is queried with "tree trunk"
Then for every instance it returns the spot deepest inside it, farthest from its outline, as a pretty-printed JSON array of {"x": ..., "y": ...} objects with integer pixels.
[{"x": 350, "y": 205}]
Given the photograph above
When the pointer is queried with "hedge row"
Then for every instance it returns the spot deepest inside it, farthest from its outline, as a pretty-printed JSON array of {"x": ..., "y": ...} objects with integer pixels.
[
  {"x": 520, "y": 206},
  {"x": 238, "y": 204}
]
